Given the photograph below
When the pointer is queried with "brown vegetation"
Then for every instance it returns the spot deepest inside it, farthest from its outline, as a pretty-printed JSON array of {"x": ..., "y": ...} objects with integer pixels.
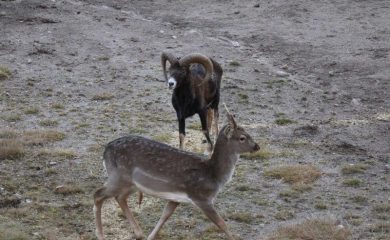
[{"x": 318, "y": 229}]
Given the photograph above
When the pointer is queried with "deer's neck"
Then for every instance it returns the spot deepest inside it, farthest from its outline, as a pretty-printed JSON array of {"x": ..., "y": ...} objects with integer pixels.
[{"x": 223, "y": 161}]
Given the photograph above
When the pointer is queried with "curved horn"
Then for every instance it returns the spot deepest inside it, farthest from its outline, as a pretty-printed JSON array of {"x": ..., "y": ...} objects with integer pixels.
[
  {"x": 171, "y": 59},
  {"x": 198, "y": 58}
]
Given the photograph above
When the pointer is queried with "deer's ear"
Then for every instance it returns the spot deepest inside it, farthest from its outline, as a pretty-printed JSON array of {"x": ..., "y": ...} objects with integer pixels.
[
  {"x": 231, "y": 126},
  {"x": 228, "y": 131},
  {"x": 232, "y": 121}
]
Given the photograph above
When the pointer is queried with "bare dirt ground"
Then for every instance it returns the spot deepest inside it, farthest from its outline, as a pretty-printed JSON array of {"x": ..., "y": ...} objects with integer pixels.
[{"x": 309, "y": 79}]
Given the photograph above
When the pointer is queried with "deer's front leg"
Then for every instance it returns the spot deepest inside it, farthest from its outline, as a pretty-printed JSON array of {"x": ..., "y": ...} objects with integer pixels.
[
  {"x": 210, "y": 212},
  {"x": 168, "y": 210}
]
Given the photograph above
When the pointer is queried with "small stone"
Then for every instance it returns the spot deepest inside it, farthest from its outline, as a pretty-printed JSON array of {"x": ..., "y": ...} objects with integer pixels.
[
  {"x": 356, "y": 102},
  {"x": 52, "y": 163},
  {"x": 331, "y": 73},
  {"x": 340, "y": 227},
  {"x": 235, "y": 44},
  {"x": 281, "y": 73}
]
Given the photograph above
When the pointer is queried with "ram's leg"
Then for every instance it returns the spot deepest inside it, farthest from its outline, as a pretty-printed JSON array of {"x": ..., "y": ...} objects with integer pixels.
[
  {"x": 203, "y": 120},
  {"x": 210, "y": 115},
  {"x": 216, "y": 117},
  {"x": 182, "y": 132}
]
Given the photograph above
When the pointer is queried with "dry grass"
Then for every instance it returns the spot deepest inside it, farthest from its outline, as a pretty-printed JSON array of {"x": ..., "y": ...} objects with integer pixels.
[
  {"x": 382, "y": 208},
  {"x": 262, "y": 154},
  {"x": 68, "y": 190},
  {"x": 102, "y": 97},
  {"x": 12, "y": 232},
  {"x": 41, "y": 137},
  {"x": 284, "y": 215},
  {"x": 244, "y": 217},
  {"x": 294, "y": 174},
  {"x": 57, "y": 153},
  {"x": 380, "y": 227},
  {"x": 13, "y": 144},
  {"x": 11, "y": 149},
  {"x": 6, "y": 133},
  {"x": 314, "y": 229}
]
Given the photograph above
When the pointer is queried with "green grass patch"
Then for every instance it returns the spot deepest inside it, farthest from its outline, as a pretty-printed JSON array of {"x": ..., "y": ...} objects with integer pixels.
[
  {"x": 137, "y": 130},
  {"x": 352, "y": 182},
  {"x": 5, "y": 73},
  {"x": 284, "y": 121},
  {"x": 320, "y": 206},
  {"x": 243, "y": 96},
  {"x": 359, "y": 199},
  {"x": 165, "y": 138},
  {"x": 13, "y": 118},
  {"x": 289, "y": 193},
  {"x": 31, "y": 110},
  {"x": 382, "y": 208},
  {"x": 244, "y": 217},
  {"x": 195, "y": 126},
  {"x": 104, "y": 58},
  {"x": 57, "y": 106},
  {"x": 353, "y": 168},
  {"x": 48, "y": 123},
  {"x": 235, "y": 63}
]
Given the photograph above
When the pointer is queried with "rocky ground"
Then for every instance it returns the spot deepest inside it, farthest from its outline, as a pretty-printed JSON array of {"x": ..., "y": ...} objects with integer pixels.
[{"x": 310, "y": 80}]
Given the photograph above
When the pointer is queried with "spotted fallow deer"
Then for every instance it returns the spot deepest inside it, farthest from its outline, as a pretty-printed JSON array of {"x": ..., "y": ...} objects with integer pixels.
[{"x": 134, "y": 163}]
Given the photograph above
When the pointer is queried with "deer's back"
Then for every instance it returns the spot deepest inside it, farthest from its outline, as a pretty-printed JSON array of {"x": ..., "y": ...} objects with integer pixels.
[{"x": 133, "y": 151}]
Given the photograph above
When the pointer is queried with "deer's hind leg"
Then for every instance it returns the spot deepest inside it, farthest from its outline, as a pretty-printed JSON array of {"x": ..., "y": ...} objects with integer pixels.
[{"x": 100, "y": 196}]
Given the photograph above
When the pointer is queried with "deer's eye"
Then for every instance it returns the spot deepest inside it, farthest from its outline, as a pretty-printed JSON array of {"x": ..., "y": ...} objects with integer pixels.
[{"x": 242, "y": 138}]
